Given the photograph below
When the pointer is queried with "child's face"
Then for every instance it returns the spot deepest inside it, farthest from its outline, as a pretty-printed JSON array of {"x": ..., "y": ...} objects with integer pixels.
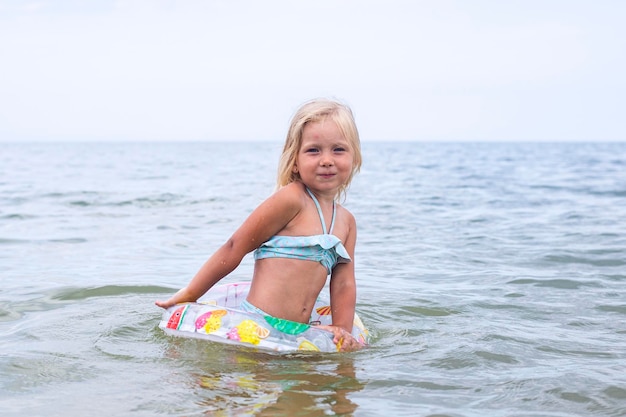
[{"x": 324, "y": 160}]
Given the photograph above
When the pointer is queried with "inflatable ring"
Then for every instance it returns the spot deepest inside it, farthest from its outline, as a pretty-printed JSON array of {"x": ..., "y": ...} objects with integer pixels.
[{"x": 217, "y": 317}]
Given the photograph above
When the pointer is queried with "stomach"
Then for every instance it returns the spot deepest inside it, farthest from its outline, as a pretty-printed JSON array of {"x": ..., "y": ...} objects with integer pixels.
[{"x": 286, "y": 288}]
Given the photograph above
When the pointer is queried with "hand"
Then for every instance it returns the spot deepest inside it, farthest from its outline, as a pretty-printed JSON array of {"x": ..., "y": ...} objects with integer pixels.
[
  {"x": 343, "y": 339},
  {"x": 180, "y": 297},
  {"x": 164, "y": 304}
]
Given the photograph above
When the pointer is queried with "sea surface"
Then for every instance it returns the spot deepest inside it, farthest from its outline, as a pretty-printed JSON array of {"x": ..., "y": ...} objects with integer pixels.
[{"x": 492, "y": 277}]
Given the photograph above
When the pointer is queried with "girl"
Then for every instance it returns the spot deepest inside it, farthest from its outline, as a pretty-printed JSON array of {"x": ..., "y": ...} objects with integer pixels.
[{"x": 300, "y": 234}]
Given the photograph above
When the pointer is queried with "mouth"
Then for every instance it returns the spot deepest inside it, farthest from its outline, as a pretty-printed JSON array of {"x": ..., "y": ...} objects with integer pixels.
[{"x": 326, "y": 176}]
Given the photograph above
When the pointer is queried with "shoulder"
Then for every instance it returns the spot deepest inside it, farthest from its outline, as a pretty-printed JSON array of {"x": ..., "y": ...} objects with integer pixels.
[
  {"x": 346, "y": 214},
  {"x": 288, "y": 200},
  {"x": 345, "y": 217},
  {"x": 292, "y": 194},
  {"x": 346, "y": 229},
  {"x": 272, "y": 216}
]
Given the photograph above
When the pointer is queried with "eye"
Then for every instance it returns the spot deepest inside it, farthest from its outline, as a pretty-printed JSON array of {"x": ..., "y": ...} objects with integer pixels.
[
  {"x": 340, "y": 149},
  {"x": 311, "y": 150}
]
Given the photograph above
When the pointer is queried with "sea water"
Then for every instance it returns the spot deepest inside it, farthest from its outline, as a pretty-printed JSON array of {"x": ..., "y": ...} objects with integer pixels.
[{"x": 492, "y": 278}]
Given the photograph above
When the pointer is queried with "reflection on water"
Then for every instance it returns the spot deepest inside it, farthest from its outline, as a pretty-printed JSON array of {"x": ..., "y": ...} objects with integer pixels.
[{"x": 227, "y": 380}]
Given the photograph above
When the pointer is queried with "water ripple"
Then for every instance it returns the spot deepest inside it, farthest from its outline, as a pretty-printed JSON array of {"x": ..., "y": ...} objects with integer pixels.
[{"x": 491, "y": 277}]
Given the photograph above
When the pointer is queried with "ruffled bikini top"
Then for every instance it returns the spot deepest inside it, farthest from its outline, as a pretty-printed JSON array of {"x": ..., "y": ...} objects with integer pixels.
[{"x": 326, "y": 248}]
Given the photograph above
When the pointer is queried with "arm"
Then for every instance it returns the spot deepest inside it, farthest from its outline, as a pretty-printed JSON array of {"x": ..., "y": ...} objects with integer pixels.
[
  {"x": 343, "y": 296},
  {"x": 343, "y": 284},
  {"x": 265, "y": 221}
]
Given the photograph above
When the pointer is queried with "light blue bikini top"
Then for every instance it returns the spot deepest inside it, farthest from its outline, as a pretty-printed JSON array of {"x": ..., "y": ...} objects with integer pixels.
[{"x": 326, "y": 248}]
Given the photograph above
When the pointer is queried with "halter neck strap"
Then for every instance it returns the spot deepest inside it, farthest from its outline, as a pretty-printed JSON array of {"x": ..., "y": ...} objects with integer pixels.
[{"x": 319, "y": 211}]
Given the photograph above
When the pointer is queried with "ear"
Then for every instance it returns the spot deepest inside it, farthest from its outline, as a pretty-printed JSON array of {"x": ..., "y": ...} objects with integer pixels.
[{"x": 295, "y": 169}]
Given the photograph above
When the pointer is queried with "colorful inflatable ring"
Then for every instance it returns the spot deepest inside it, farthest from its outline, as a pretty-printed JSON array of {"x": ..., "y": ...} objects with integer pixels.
[{"x": 217, "y": 317}]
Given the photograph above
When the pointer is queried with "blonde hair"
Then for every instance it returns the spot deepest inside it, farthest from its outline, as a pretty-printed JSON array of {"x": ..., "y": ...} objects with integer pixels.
[{"x": 315, "y": 111}]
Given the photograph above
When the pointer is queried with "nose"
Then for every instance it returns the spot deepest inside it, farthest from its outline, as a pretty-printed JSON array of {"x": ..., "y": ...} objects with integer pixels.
[{"x": 327, "y": 159}]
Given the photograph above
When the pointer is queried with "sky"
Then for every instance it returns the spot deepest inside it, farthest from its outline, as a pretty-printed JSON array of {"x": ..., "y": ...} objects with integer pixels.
[{"x": 237, "y": 70}]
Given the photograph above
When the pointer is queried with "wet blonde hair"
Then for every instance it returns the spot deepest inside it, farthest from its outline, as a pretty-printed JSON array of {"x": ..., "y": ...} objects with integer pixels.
[{"x": 316, "y": 111}]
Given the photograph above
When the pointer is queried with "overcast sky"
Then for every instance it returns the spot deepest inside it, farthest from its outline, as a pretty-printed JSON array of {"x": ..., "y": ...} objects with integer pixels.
[{"x": 430, "y": 70}]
